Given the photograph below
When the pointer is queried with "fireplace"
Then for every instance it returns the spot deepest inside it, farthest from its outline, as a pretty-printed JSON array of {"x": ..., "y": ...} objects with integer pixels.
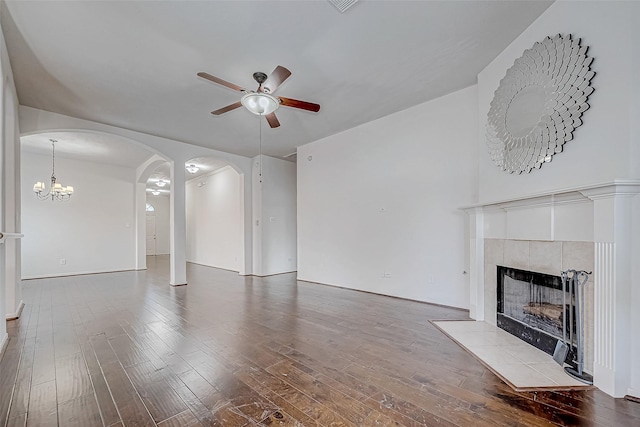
[
  {"x": 595, "y": 228},
  {"x": 530, "y": 307}
]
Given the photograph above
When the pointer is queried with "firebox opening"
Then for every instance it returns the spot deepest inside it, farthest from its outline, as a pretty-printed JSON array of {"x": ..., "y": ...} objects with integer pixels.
[{"x": 530, "y": 307}]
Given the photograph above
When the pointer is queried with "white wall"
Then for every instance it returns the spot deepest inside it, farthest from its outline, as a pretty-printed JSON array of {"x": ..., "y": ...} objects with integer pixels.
[
  {"x": 214, "y": 219},
  {"x": 384, "y": 198},
  {"x": 161, "y": 205},
  {"x": 602, "y": 149},
  {"x": 274, "y": 213},
  {"x": 93, "y": 232}
]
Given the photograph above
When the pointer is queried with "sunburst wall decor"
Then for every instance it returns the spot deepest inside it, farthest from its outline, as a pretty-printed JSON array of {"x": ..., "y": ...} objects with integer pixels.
[{"x": 539, "y": 103}]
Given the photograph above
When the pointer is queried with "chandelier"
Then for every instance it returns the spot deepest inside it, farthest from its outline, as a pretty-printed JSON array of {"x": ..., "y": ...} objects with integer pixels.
[{"x": 56, "y": 190}]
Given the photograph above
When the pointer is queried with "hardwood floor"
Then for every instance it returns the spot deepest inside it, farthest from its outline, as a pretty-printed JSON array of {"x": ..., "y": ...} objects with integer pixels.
[{"x": 125, "y": 349}]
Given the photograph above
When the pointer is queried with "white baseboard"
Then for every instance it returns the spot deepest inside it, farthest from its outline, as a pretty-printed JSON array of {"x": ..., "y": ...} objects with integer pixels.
[
  {"x": 3, "y": 346},
  {"x": 14, "y": 316},
  {"x": 74, "y": 273}
]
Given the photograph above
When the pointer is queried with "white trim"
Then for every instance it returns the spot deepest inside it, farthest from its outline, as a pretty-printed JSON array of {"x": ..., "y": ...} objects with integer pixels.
[
  {"x": 5, "y": 236},
  {"x": 618, "y": 186},
  {"x": 77, "y": 273},
  {"x": 18, "y": 312}
]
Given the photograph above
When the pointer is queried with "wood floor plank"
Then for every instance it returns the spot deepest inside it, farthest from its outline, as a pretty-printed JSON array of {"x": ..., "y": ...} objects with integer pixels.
[
  {"x": 19, "y": 421},
  {"x": 43, "y": 406},
  {"x": 20, "y": 399},
  {"x": 183, "y": 419},
  {"x": 402, "y": 412},
  {"x": 127, "y": 351},
  {"x": 207, "y": 416},
  {"x": 105, "y": 402},
  {"x": 161, "y": 401},
  {"x": 349, "y": 408},
  {"x": 8, "y": 372},
  {"x": 44, "y": 367},
  {"x": 122, "y": 349},
  {"x": 80, "y": 412},
  {"x": 130, "y": 406},
  {"x": 283, "y": 403},
  {"x": 72, "y": 377},
  {"x": 65, "y": 342},
  {"x": 313, "y": 409}
]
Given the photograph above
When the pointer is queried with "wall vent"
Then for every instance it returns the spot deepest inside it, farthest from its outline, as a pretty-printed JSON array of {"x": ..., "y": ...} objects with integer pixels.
[{"x": 343, "y": 5}]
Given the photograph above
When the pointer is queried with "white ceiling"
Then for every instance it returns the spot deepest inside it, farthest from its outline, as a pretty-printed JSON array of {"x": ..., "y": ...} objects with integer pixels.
[
  {"x": 86, "y": 146},
  {"x": 133, "y": 64},
  {"x": 206, "y": 166},
  {"x": 112, "y": 150}
]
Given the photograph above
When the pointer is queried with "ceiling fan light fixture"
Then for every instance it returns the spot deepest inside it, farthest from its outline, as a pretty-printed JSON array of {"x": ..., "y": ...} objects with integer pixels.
[{"x": 260, "y": 103}]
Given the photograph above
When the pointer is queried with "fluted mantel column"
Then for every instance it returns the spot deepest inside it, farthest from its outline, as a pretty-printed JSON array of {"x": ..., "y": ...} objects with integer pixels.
[{"x": 615, "y": 328}]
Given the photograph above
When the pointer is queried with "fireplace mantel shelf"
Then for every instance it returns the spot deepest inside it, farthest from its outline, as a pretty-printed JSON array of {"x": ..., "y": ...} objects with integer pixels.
[{"x": 570, "y": 194}]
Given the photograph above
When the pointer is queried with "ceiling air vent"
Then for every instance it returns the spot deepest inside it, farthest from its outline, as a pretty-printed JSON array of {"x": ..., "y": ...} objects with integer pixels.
[{"x": 343, "y": 5}]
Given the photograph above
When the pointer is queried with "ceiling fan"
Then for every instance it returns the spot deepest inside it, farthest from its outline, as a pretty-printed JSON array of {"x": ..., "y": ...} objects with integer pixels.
[{"x": 261, "y": 101}]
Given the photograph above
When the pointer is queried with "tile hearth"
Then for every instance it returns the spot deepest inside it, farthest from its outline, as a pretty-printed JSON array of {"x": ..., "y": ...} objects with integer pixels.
[{"x": 522, "y": 366}]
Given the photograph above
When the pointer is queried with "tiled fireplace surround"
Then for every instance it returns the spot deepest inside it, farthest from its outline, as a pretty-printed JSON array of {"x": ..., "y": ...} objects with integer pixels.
[
  {"x": 589, "y": 228},
  {"x": 541, "y": 257}
]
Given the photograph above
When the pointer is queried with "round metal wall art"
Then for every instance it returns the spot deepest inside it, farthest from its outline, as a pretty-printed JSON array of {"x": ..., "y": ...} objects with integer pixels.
[{"x": 539, "y": 103}]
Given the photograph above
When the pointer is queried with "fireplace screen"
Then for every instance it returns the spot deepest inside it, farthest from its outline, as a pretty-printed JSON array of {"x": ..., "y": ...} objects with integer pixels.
[
  {"x": 534, "y": 304},
  {"x": 530, "y": 306}
]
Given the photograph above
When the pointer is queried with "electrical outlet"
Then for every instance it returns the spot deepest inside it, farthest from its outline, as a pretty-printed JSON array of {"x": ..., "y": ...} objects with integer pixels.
[{"x": 63, "y": 261}]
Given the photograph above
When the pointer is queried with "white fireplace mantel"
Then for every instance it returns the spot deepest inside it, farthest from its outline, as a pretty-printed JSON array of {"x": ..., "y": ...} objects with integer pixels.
[
  {"x": 604, "y": 214},
  {"x": 629, "y": 187}
]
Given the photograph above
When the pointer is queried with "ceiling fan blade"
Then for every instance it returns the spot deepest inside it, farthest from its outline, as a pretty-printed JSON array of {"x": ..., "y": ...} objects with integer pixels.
[
  {"x": 295, "y": 103},
  {"x": 227, "y": 108},
  {"x": 272, "y": 120},
  {"x": 275, "y": 79},
  {"x": 220, "y": 81}
]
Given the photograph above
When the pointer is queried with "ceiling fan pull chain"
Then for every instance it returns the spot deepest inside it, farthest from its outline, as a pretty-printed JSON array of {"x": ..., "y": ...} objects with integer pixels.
[{"x": 260, "y": 121}]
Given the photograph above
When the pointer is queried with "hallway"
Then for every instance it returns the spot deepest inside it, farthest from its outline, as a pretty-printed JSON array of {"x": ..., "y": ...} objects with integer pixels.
[{"x": 124, "y": 348}]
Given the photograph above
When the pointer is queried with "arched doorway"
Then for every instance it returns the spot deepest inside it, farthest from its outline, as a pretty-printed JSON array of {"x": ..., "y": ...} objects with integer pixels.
[{"x": 214, "y": 217}]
